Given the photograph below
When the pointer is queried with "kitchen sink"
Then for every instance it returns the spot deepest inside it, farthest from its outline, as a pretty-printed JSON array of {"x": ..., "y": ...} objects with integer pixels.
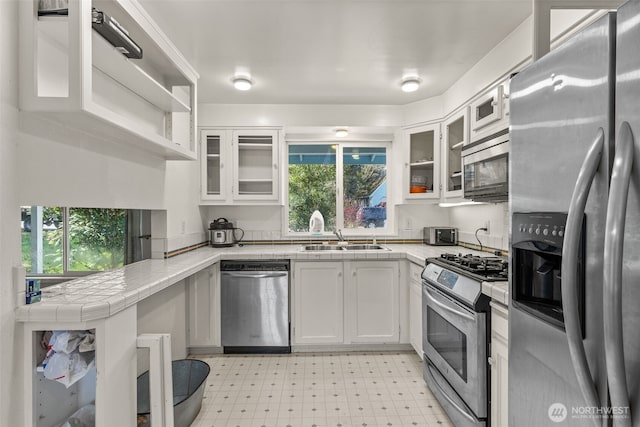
[
  {"x": 365, "y": 247},
  {"x": 340, "y": 248},
  {"x": 321, "y": 248}
]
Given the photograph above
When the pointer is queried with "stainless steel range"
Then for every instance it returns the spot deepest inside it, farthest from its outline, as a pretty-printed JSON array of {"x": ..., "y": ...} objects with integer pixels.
[{"x": 455, "y": 324}]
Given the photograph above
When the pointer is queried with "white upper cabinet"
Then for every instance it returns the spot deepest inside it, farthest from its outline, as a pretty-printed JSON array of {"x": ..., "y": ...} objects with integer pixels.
[
  {"x": 70, "y": 73},
  {"x": 422, "y": 165},
  {"x": 255, "y": 165},
  {"x": 215, "y": 156},
  {"x": 456, "y": 135},
  {"x": 490, "y": 112},
  {"x": 239, "y": 166}
]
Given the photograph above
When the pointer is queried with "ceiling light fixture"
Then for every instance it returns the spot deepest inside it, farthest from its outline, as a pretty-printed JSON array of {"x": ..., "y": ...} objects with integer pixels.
[
  {"x": 341, "y": 132},
  {"x": 242, "y": 83},
  {"x": 410, "y": 84}
]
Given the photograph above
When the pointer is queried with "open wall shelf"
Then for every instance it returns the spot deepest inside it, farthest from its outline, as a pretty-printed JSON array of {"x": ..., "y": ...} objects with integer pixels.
[{"x": 73, "y": 74}]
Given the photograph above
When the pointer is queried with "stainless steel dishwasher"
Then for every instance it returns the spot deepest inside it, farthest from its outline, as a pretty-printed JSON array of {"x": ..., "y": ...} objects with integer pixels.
[{"x": 255, "y": 306}]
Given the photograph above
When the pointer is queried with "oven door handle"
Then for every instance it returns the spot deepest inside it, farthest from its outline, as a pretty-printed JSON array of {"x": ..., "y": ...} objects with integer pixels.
[
  {"x": 449, "y": 399},
  {"x": 462, "y": 314},
  {"x": 613, "y": 258},
  {"x": 570, "y": 253}
]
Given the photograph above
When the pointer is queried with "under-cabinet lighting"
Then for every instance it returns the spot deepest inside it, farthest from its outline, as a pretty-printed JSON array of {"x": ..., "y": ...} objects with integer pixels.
[{"x": 454, "y": 204}]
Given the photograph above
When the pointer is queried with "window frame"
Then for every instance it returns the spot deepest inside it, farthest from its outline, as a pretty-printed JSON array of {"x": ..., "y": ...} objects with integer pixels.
[{"x": 340, "y": 146}]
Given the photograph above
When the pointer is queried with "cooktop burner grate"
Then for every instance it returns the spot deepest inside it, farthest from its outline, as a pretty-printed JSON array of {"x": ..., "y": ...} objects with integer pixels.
[{"x": 494, "y": 268}]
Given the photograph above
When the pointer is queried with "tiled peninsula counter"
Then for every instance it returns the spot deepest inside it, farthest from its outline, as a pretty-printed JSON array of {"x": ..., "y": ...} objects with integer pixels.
[{"x": 110, "y": 303}]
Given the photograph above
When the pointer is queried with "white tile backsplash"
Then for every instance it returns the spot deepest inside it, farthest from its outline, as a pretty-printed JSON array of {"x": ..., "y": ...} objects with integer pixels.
[
  {"x": 469, "y": 218},
  {"x": 265, "y": 222}
]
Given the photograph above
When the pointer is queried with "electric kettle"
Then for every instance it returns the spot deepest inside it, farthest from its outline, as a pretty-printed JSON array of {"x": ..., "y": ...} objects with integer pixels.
[{"x": 222, "y": 233}]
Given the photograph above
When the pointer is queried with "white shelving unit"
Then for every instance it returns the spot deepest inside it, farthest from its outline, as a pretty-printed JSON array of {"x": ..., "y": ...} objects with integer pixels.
[{"x": 71, "y": 74}]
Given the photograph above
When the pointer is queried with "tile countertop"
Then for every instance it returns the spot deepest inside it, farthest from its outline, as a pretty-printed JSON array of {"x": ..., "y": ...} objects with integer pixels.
[
  {"x": 101, "y": 295},
  {"x": 498, "y": 291}
]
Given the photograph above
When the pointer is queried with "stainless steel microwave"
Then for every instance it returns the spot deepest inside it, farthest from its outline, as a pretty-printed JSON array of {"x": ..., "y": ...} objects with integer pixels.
[
  {"x": 486, "y": 168},
  {"x": 443, "y": 236}
]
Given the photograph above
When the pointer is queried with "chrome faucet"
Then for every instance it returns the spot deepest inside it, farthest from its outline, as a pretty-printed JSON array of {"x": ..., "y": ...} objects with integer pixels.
[{"x": 338, "y": 234}]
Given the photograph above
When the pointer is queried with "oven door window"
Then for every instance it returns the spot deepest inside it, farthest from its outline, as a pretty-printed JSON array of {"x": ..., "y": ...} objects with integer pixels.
[
  {"x": 488, "y": 177},
  {"x": 448, "y": 341}
]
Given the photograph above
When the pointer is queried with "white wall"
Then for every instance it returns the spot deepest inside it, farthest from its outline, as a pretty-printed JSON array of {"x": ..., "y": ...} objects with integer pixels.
[
  {"x": 10, "y": 383},
  {"x": 298, "y": 115},
  {"x": 185, "y": 225},
  {"x": 62, "y": 167},
  {"x": 467, "y": 219}
]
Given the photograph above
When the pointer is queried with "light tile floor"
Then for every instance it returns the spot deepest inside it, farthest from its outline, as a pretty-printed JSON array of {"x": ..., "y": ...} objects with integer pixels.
[{"x": 318, "y": 389}]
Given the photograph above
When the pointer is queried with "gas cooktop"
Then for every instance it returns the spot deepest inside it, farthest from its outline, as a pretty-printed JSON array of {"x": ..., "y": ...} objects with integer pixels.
[{"x": 490, "y": 269}]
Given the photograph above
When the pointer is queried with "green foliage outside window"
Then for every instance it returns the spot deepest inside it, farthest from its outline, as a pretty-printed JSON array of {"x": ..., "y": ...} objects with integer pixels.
[
  {"x": 312, "y": 187},
  {"x": 96, "y": 239}
]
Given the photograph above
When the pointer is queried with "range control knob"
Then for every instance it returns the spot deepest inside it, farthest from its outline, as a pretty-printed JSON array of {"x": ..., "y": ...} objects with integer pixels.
[
  {"x": 530, "y": 230},
  {"x": 545, "y": 231},
  {"x": 561, "y": 233},
  {"x": 554, "y": 232},
  {"x": 538, "y": 230}
]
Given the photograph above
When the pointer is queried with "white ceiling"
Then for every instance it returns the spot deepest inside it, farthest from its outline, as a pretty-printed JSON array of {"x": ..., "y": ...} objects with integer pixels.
[{"x": 333, "y": 51}]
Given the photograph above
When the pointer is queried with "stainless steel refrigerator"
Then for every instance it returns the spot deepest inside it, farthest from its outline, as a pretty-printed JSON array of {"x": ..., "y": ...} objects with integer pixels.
[{"x": 574, "y": 319}]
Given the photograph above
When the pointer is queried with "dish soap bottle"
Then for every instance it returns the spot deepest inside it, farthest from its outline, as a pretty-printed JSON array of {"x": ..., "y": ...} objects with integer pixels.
[{"x": 316, "y": 223}]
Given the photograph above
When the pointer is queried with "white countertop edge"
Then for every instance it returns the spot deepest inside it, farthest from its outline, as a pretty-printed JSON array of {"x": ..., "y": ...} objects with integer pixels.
[{"x": 81, "y": 300}]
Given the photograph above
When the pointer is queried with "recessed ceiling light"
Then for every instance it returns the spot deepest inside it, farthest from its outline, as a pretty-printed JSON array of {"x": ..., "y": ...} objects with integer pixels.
[
  {"x": 410, "y": 84},
  {"x": 341, "y": 132},
  {"x": 242, "y": 83}
]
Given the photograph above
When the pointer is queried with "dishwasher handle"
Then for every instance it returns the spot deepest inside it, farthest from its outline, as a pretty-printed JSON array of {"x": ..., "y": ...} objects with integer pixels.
[{"x": 257, "y": 275}]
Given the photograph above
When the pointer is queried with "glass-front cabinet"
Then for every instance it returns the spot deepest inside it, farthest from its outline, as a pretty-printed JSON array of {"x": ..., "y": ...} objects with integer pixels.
[
  {"x": 239, "y": 166},
  {"x": 422, "y": 168},
  {"x": 456, "y": 135},
  {"x": 214, "y": 147},
  {"x": 255, "y": 165}
]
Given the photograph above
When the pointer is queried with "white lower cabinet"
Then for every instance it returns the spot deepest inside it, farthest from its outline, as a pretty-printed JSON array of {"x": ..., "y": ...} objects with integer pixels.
[
  {"x": 371, "y": 309},
  {"x": 203, "y": 290},
  {"x": 318, "y": 293},
  {"x": 415, "y": 307},
  {"x": 360, "y": 306},
  {"x": 499, "y": 363}
]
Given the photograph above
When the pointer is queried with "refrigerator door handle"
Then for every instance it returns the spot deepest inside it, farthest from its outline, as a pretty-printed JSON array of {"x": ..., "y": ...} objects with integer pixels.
[
  {"x": 613, "y": 258},
  {"x": 570, "y": 252}
]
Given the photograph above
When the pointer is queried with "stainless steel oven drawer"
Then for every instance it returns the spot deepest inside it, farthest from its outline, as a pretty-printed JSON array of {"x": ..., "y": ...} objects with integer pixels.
[{"x": 456, "y": 409}]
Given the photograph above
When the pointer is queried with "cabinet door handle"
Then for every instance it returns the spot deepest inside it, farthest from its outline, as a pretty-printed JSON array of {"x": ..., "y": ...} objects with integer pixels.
[
  {"x": 491, "y": 361},
  {"x": 275, "y": 166},
  {"x": 221, "y": 165},
  {"x": 339, "y": 274}
]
